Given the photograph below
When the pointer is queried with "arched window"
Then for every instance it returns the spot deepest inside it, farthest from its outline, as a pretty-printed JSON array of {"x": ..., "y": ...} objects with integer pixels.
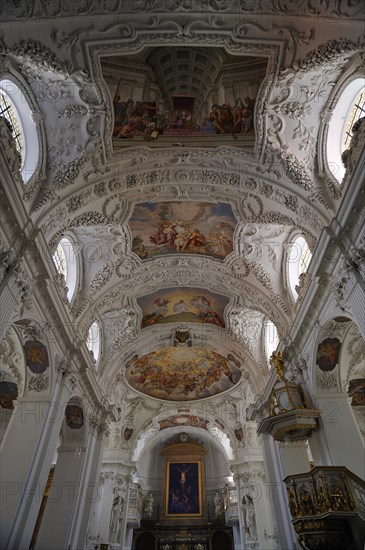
[
  {"x": 15, "y": 108},
  {"x": 357, "y": 111},
  {"x": 59, "y": 258},
  {"x": 93, "y": 340},
  {"x": 298, "y": 259},
  {"x": 66, "y": 264},
  {"x": 349, "y": 108},
  {"x": 271, "y": 340},
  {"x": 8, "y": 111}
]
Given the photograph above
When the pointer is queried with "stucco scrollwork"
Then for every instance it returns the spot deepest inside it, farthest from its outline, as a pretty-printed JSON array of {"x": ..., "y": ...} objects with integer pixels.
[
  {"x": 327, "y": 381},
  {"x": 37, "y": 383},
  {"x": 31, "y": 9}
]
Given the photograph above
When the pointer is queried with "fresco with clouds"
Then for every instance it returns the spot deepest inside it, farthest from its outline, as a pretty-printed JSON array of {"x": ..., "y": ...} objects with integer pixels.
[{"x": 182, "y": 227}]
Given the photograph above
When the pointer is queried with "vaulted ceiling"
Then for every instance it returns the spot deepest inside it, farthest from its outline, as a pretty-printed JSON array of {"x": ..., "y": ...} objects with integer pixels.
[{"x": 183, "y": 320}]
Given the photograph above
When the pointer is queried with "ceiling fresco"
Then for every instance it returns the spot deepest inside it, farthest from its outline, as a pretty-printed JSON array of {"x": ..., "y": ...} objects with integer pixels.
[
  {"x": 183, "y": 374},
  {"x": 183, "y": 420},
  {"x": 182, "y": 227},
  {"x": 182, "y": 305},
  {"x": 167, "y": 94}
]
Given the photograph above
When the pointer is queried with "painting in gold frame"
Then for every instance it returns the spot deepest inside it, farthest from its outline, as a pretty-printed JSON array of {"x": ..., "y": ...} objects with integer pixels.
[{"x": 183, "y": 489}]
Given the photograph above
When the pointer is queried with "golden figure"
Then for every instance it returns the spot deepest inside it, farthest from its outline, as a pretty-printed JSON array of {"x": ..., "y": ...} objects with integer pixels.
[
  {"x": 338, "y": 498},
  {"x": 306, "y": 502},
  {"x": 292, "y": 502},
  {"x": 277, "y": 361},
  {"x": 321, "y": 499}
]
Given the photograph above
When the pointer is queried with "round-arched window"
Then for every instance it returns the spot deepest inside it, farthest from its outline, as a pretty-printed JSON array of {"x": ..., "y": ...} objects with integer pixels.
[
  {"x": 65, "y": 260},
  {"x": 15, "y": 108},
  {"x": 357, "y": 111},
  {"x": 8, "y": 111},
  {"x": 349, "y": 108},
  {"x": 298, "y": 258},
  {"x": 93, "y": 340},
  {"x": 271, "y": 340}
]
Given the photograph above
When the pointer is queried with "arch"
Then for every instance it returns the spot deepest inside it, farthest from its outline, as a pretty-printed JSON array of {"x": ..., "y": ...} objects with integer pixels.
[
  {"x": 151, "y": 434},
  {"x": 27, "y": 115},
  {"x": 221, "y": 539},
  {"x": 145, "y": 541}
]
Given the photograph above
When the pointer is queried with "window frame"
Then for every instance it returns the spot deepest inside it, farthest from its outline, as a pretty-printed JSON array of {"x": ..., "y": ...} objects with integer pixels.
[
  {"x": 337, "y": 126},
  {"x": 94, "y": 341},
  {"x": 293, "y": 265},
  {"x": 24, "y": 107},
  {"x": 73, "y": 267}
]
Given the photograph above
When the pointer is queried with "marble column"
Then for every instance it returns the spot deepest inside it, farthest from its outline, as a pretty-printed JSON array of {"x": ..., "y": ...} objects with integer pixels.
[
  {"x": 60, "y": 503},
  {"x": 87, "y": 491},
  {"x": 276, "y": 493},
  {"x": 26, "y": 459}
]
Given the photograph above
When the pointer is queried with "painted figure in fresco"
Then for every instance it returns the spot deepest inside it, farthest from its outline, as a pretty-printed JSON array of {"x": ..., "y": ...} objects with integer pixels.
[
  {"x": 213, "y": 318},
  {"x": 215, "y": 116},
  {"x": 208, "y": 126},
  {"x": 227, "y": 120},
  {"x": 197, "y": 239},
  {"x": 181, "y": 307},
  {"x": 247, "y": 115},
  {"x": 328, "y": 354},
  {"x": 237, "y": 116},
  {"x": 169, "y": 233},
  {"x": 161, "y": 305},
  {"x": 201, "y": 302},
  {"x": 74, "y": 417},
  {"x": 356, "y": 391}
]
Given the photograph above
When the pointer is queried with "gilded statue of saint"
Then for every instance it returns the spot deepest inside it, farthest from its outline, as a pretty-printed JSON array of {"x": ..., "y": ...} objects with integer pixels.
[{"x": 277, "y": 361}]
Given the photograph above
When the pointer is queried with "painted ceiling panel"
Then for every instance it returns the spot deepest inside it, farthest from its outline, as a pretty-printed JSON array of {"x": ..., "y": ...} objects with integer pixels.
[
  {"x": 182, "y": 227},
  {"x": 183, "y": 305},
  {"x": 183, "y": 373}
]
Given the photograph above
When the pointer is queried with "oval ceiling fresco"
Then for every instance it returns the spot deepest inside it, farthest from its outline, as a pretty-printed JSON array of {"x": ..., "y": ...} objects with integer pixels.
[
  {"x": 182, "y": 227},
  {"x": 183, "y": 374},
  {"x": 182, "y": 305}
]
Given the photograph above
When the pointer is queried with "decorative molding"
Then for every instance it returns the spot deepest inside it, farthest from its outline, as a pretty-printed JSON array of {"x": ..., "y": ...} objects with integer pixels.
[
  {"x": 37, "y": 383},
  {"x": 36, "y": 9},
  {"x": 326, "y": 55}
]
